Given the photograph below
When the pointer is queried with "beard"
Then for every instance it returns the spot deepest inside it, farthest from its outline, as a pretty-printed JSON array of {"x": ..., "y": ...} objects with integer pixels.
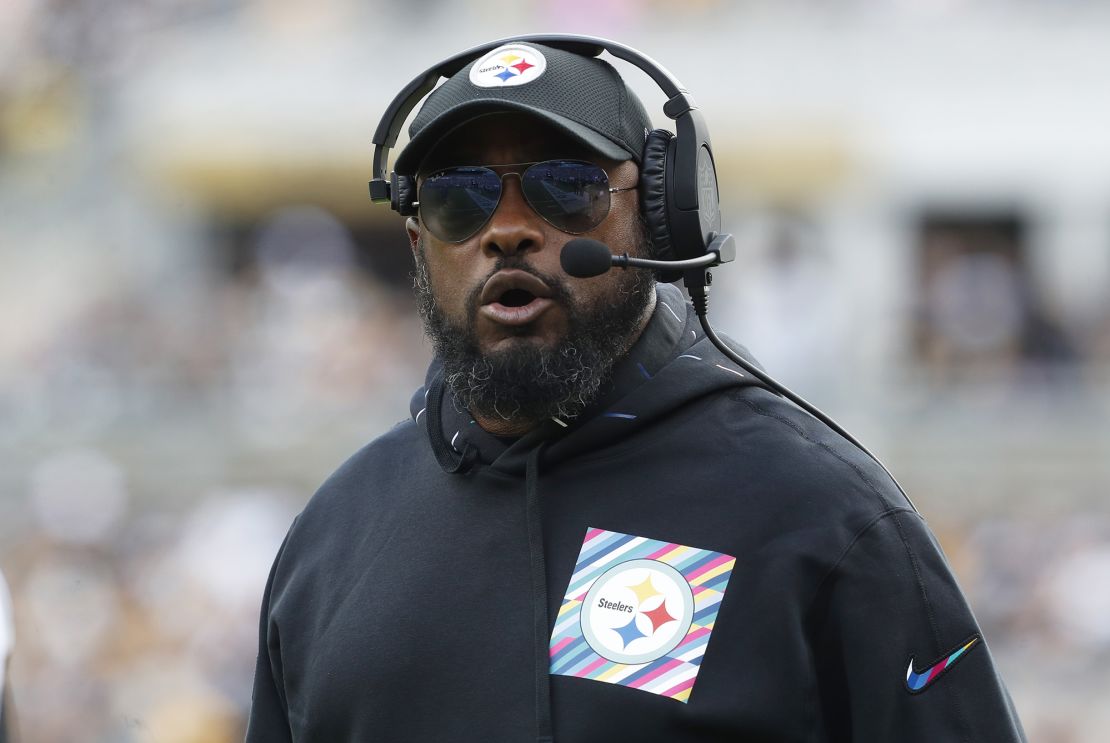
[{"x": 529, "y": 382}]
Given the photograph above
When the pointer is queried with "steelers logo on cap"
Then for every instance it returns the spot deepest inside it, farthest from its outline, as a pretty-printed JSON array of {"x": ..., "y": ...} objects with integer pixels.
[
  {"x": 508, "y": 66},
  {"x": 637, "y": 611}
]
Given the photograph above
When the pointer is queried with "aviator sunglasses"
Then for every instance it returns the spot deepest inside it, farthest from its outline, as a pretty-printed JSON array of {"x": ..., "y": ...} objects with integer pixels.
[{"x": 570, "y": 195}]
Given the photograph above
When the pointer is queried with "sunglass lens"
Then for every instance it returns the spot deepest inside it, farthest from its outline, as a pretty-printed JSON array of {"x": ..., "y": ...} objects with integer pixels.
[
  {"x": 455, "y": 203},
  {"x": 573, "y": 196}
]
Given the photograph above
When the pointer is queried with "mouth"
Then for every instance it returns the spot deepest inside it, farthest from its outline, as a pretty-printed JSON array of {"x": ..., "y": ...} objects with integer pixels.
[{"x": 514, "y": 297}]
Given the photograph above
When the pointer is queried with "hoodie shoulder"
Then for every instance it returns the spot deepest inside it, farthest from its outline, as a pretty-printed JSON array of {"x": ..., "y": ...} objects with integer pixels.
[
  {"x": 387, "y": 451},
  {"x": 816, "y": 462},
  {"x": 364, "y": 483}
]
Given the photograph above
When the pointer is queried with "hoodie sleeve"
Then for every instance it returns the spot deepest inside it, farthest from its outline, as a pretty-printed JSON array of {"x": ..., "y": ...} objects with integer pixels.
[
  {"x": 269, "y": 716},
  {"x": 898, "y": 652}
]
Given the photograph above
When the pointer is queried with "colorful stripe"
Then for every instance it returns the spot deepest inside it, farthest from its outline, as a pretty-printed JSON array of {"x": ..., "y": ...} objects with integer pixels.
[
  {"x": 917, "y": 682},
  {"x": 671, "y": 675}
]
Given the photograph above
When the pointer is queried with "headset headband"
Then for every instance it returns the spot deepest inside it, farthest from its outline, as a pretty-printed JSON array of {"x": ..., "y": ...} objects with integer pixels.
[{"x": 679, "y": 101}]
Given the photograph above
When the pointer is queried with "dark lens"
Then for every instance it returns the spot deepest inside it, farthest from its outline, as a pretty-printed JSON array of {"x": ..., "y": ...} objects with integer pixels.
[
  {"x": 455, "y": 203},
  {"x": 571, "y": 195}
]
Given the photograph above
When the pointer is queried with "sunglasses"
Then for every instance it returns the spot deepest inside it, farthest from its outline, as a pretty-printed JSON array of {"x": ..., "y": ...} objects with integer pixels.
[{"x": 570, "y": 195}]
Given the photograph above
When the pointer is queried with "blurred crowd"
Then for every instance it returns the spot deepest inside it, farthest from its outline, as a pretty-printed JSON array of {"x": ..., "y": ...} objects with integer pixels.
[{"x": 151, "y": 479}]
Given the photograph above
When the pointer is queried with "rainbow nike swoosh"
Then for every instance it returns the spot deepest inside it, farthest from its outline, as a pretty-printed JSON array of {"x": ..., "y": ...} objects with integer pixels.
[{"x": 918, "y": 681}]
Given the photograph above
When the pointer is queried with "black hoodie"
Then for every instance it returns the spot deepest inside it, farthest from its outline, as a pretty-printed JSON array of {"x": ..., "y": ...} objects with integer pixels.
[{"x": 694, "y": 559}]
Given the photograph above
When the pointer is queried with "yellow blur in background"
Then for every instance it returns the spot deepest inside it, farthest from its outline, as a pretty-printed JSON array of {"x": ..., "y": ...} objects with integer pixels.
[{"x": 203, "y": 314}]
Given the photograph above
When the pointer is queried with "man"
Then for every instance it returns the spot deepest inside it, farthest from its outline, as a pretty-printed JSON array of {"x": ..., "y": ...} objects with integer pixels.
[{"x": 595, "y": 527}]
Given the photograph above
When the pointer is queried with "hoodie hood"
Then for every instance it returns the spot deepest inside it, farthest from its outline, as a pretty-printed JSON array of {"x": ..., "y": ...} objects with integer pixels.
[{"x": 671, "y": 364}]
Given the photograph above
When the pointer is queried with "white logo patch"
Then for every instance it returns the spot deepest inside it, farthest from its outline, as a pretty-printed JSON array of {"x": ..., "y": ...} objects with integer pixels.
[
  {"x": 506, "y": 66},
  {"x": 637, "y": 611}
]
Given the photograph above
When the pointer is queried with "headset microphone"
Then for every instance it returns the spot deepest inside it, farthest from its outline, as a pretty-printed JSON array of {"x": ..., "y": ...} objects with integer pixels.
[{"x": 584, "y": 258}]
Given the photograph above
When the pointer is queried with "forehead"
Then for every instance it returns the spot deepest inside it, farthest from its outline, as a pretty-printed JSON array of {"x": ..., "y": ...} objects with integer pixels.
[{"x": 506, "y": 138}]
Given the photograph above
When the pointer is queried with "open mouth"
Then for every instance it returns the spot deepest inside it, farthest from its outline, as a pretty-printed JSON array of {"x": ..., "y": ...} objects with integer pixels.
[
  {"x": 516, "y": 298},
  {"x": 512, "y": 297}
]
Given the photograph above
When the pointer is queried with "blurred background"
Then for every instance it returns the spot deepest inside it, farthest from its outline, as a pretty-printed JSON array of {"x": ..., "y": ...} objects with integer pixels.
[{"x": 203, "y": 315}]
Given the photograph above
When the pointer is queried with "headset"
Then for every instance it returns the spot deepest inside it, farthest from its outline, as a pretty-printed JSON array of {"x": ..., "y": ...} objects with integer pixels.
[{"x": 679, "y": 199}]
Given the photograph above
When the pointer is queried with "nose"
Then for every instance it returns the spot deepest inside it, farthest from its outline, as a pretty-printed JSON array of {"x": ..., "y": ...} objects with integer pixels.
[{"x": 514, "y": 227}]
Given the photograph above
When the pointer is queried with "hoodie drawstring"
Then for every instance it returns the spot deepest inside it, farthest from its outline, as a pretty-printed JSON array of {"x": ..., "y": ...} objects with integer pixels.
[
  {"x": 454, "y": 461},
  {"x": 539, "y": 597}
]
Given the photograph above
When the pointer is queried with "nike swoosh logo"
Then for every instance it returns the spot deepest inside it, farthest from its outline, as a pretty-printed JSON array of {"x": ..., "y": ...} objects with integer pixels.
[{"x": 919, "y": 681}]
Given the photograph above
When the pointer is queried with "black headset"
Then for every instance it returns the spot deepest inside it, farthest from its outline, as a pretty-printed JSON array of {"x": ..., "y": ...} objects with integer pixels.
[{"x": 678, "y": 182}]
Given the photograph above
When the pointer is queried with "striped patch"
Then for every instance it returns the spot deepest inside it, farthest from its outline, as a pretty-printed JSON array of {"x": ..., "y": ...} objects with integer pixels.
[{"x": 639, "y": 612}]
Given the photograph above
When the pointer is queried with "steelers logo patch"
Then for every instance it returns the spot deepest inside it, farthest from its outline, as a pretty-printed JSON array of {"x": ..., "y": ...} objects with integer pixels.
[
  {"x": 637, "y": 611},
  {"x": 508, "y": 66}
]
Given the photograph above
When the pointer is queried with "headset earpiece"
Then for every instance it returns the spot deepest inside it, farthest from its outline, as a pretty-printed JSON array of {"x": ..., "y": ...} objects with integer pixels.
[
  {"x": 693, "y": 206},
  {"x": 653, "y": 191},
  {"x": 678, "y": 191},
  {"x": 402, "y": 194},
  {"x": 658, "y": 150}
]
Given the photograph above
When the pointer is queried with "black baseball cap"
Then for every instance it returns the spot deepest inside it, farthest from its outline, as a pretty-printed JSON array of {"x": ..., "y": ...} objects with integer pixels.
[{"x": 582, "y": 96}]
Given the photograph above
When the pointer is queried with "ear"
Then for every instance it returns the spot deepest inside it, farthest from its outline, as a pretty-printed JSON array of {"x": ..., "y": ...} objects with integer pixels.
[{"x": 412, "y": 227}]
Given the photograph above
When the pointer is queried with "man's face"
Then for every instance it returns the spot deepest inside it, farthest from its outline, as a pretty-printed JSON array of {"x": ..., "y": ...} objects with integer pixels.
[{"x": 499, "y": 303}]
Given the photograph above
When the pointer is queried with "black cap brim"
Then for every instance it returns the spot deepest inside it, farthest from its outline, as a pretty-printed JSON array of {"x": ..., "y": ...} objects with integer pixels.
[{"x": 420, "y": 145}]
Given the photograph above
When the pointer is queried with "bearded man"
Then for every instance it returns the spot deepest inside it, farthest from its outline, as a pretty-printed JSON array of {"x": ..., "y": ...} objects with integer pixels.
[{"x": 596, "y": 527}]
